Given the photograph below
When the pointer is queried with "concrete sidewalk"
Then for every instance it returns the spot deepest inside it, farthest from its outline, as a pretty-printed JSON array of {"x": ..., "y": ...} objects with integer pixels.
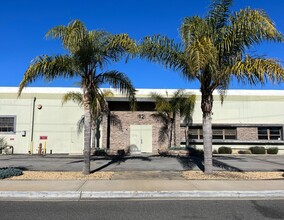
[{"x": 96, "y": 189}]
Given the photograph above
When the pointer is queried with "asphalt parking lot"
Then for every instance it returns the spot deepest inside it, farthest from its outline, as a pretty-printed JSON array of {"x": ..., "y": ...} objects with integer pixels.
[{"x": 143, "y": 163}]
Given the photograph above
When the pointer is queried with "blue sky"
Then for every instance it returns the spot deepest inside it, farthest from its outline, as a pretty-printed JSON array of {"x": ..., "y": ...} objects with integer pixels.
[{"x": 24, "y": 24}]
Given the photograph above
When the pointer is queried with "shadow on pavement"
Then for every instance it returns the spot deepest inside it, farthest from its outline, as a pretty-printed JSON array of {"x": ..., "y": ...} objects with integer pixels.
[
  {"x": 118, "y": 160},
  {"x": 225, "y": 166},
  {"x": 190, "y": 162}
]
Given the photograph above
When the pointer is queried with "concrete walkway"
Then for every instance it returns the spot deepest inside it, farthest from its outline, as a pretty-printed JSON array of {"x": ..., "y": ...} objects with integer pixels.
[{"x": 151, "y": 188}]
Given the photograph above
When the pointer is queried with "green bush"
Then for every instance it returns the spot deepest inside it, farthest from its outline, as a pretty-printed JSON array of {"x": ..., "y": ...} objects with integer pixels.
[
  {"x": 244, "y": 152},
  {"x": 195, "y": 152},
  {"x": 9, "y": 172},
  {"x": 272, "y": 150},
  {"x": 215, "y": 151},
  {"x": 224, "y": 150},
  {"x": 257, "y": 150},
  {"x": 100, "y": 152},
  {"x": 163, "y": 153},
  {"x": 177, "y": 148}
]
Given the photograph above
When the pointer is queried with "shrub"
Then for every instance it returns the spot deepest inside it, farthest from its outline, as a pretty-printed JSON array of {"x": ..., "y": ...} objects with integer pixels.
[
  {"x": 257, "y": 150},
  {"x": 163, "y": 152},
  {"x": 177, "y": 148},
  {"x": 215, "y": 151},
  {"x": 100, "y": 152},
  {"x": 195, "y": 152},
  {"x": 121, "y": 153},
  {"x": 244, "y": 152},
  {"x": 224, "y": 150},
  {"x": 3, "y": 144},
  {"x": 272, "y": 150},
  {"x": 9, "y": 172}
]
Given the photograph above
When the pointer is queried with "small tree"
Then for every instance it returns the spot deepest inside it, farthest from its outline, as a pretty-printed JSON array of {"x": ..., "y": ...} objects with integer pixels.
[
  {"x": 3, "y": 143},
  {"x": 168, "y": 109}
]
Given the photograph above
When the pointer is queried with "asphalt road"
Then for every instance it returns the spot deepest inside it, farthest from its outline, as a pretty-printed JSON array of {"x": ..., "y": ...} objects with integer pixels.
[
  {"x": 144, "y": 209},
  {"x": 143, "y": 163}
]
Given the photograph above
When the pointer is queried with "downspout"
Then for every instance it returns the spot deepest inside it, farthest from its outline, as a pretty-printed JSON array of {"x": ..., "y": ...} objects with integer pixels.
[{"x": 32, "y": 130}]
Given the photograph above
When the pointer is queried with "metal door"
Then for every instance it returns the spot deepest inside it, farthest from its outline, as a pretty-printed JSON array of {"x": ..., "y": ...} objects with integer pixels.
[{"x": 141, "y": 138}]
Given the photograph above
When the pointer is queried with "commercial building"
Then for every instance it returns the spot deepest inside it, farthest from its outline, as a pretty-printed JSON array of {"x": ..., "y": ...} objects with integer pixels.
[{"x": 246, "y": 118}]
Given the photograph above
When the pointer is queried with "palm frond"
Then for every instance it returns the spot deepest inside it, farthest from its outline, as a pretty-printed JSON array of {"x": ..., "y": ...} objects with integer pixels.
[
  {"x": 194, "y": 28},
  {"x": 115, "y": 121},
  {"x": 163, "y": 131},
  {"x": 48, "y": 68},
  {"x": 71, "y": 35},
  {"x": 187, "y": 106},
  {"x": 120, "y": 45},
  {"x": 80, "y": 125},
  {"x": 201, "y": 54},
  {"x": 119, "y": 81},
  {"x": 258, "y": 70},
  {"x": 162, "y": 104},
  {"x": 248, "y": 27},
  {"x": 99, "y": 104},
  {"x": 219, "y": 13},
  {"x": 76, "y": 97},
  {"x": 160, "y": 49}
]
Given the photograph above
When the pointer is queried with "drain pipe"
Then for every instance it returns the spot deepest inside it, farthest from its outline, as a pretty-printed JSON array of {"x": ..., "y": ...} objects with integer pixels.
[{"x": 32, "y": 130}]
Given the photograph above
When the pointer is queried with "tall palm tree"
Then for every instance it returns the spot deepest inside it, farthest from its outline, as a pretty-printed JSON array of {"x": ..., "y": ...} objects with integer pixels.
[
  {"x": 214, "y": 49},
  {"x": 168, "y": 108},
  {"x": 88, "y": 54}
]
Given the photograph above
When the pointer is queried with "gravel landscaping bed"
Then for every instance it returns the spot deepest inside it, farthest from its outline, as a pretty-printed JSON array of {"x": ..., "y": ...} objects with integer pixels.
[
  {"x": 40, "y": 175},
  {"x": 225, "y": 175},
  {"x": 189, "y": 175}
]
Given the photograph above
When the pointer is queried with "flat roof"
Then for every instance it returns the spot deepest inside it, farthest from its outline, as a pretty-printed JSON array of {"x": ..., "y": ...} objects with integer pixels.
[{"x": 140, "y": 91}]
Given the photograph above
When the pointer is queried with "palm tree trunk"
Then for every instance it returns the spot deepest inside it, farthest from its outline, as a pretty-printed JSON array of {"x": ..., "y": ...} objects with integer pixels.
[
  {"x": 174, "y": 131},
  {"x": 206, "y": 106},
  {"x": 186, "y": 136},
  {"x": 170, "y": 134},
  {"x": 94, "y": 137},
  {"x": 87, "y": 135}
]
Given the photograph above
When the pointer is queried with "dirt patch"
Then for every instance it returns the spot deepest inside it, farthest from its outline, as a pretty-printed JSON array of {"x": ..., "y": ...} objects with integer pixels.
[
  {"x": 224, "y": 175},
  {"x": 40, "y": 175}
]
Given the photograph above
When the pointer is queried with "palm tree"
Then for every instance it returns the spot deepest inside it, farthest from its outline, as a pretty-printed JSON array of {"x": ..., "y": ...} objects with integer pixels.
[
  {"x": 180, "y": 104},
  {"x": 214, "y": 49},
  {"x": 89, "y": 53}
]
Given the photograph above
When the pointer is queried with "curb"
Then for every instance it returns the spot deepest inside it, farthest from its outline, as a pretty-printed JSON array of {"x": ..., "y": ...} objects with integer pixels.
[{"x": 139, "y": 194}]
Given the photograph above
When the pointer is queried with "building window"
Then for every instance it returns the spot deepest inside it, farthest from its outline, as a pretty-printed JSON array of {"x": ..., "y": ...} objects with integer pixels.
[
  {"x": 7, "y": 123},
  {"x": 218, "y": 133},
  {"x": 195, "y": 134},
  {"x": 269, "y": 133}
]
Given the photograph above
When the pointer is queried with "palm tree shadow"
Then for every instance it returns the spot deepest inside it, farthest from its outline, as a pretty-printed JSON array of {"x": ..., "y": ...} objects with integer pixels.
[
  {"x": 188, "y": 163},
  {"x": 120, "y": 159},
  {"x": 225, "y": 166},
  {"x": 191, "y": 162}
]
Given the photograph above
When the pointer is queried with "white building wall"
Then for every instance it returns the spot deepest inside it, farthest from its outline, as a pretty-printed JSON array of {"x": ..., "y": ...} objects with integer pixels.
[
  {"x": 245, "y": 109},
  {"x": 57, "y": 122}
]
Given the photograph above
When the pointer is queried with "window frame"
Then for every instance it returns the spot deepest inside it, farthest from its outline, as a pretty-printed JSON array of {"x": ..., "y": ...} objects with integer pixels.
[
  {"x": 222, "y": 132},
  {"x": 267, "y": 136},
  {"x": 14, "y": 124}
]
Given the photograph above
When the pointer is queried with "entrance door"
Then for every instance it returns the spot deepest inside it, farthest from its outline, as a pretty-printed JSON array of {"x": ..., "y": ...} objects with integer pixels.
[{"x": 141, "y": 138}]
